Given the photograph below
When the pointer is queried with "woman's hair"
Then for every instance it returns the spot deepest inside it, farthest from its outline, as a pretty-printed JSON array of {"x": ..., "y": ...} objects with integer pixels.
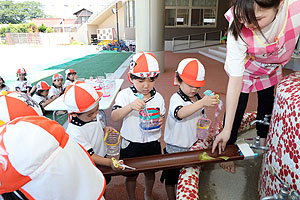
[
  {"x": 244, "y": 11},
  {"x": 132, "y": 77}
]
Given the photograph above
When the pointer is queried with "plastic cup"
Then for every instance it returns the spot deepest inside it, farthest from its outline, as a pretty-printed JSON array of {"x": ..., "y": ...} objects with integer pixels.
[
  {"x": 106, "y": 89},
  {"x": 149, "y": 121},
  {"x": 112, "y": 141},
  {"x": 203, "y": 126}
]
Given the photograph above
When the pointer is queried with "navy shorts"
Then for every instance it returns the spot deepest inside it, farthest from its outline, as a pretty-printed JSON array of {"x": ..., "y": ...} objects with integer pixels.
[
  {"x": 170, "y": 176},
  {"x": 135, "y": 149}
]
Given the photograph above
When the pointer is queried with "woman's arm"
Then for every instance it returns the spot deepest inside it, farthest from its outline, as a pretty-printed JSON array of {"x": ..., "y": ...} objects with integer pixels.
[{"x": 232, "y": 97}]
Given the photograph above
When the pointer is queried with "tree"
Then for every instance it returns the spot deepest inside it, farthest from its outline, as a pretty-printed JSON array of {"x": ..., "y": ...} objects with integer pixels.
[
  {"x": 42, "y": 28},
  {"x": 16, "y": 13}
]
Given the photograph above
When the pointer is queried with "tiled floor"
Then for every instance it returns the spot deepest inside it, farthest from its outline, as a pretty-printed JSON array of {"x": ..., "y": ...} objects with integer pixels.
[{"x": 216, "y": 80}]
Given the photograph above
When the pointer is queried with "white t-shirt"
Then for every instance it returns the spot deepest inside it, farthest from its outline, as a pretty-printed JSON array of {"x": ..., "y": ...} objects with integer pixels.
[
  {"x": 67, "y": 82},
  {"x": 130, "y": 129},
  {"x": 181, "y": 132},
  {"x": 39, "y": 99},
  {"x": 6, "y": 88},
  {"x": 237, "y": 49},
  {"x": 54, "y": 91},
  {"x": 23, "y": 85},
  {"x": 90, "y": 135}
]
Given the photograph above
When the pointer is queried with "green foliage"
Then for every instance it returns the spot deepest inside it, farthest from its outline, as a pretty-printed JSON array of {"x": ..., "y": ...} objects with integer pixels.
[
  {"x": 15, "y": 28},
  {"x": 49, "y": 30},
  {"x": 16, "y": 13},
  {"x": 42, "y": 28}
]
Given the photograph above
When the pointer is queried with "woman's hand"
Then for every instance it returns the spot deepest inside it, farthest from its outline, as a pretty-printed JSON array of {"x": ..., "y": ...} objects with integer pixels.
[{"x": 221, "y": 141}]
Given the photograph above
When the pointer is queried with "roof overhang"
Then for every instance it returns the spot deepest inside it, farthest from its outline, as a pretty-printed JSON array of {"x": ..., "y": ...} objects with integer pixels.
[{"x": 106, "y": 13}]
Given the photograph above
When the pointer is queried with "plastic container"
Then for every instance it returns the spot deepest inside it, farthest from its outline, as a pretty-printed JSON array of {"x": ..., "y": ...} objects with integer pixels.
[
  {"x": 203, "y": 126},
  {"x": 106, "y": 88},
  {"x": 149, "y": 121},
  {"x": 112, "y": 141}
]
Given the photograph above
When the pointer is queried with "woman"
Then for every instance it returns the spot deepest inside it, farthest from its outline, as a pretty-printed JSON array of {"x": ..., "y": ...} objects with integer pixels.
[{"x": 261, "y": 39}]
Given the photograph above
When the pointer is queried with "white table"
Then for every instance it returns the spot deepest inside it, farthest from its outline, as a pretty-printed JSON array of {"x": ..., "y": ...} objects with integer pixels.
[{"x": 104, "y": 103}]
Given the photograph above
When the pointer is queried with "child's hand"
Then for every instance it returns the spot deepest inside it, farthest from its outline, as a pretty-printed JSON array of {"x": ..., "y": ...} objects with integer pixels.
[
  {"x": 210, "y": 101},
  {"x": 137, "y": 105},
  {"x": 115, "y": 164},
  {"x": 161, "y": 120},
  {"x": 109, "y": 129}
]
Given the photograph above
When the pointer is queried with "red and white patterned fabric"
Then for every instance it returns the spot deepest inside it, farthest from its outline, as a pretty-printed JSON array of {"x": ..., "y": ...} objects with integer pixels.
[
  {"x": 21, "y": 71},
  {"x": 57, "y": 76},
  {"x": 263, "y": 64},
  {"x": 70, "y": 71},
  {"x": 144, "y": 65},
  {"x": 42, "y": 85},
  {"x": 283, "y": 139},
  {"x": 81, "y": 97},
  {"x": 44, "y": 163},
  {"x": 17, "y": 104},
  {"x": 192, "y": 72}
]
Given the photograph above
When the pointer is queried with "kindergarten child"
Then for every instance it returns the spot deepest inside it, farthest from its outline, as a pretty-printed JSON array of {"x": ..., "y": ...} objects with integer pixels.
[
  {"x": 22, "y": 84},
  {"x": 41, "y": 95},
  {"x": 186, "y": 107},
  {"x": 144, "y": 70},
  {"x": 70, "y": 77},
  {"x": 57, "y": 86},
  {"x": 2, "y": 85},
  {"x": 82, "y": 102}
]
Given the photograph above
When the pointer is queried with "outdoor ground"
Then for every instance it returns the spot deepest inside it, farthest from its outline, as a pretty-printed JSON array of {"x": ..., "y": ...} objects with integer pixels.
[{"x": 215, "y": 183}]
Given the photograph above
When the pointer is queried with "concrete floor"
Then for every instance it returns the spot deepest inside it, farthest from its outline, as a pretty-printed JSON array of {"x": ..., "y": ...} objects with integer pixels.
[{"x": 216, "y": 184}]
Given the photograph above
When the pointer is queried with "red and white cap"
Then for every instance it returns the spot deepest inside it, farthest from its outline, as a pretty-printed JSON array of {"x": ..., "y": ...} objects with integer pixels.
[
  {"x": 57, "y": 76},
  {"x": 21, "y": 71},
  {"x": 46, "y": 156},
  {"x": 42, "y": 85},
  {"x": 81, "y": 97},
  {"x": 144, "y": 65},
  {"x": 69, "y": 71},
  {"x": 192, "y": 72},
  {"x": 17, "y": 104}
]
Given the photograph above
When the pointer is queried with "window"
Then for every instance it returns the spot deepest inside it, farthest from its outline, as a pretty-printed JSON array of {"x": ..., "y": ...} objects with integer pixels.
[
  {"x": 196, "y": 13},
  {"x": 129, "y": 14}
]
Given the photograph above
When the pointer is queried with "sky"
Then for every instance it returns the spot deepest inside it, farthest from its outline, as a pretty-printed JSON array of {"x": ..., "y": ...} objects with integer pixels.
[{"x": 66, "y": 8}]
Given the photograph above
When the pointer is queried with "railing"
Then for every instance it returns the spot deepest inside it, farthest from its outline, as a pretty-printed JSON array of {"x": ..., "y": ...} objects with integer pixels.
[{"x": 198, "y": 40}]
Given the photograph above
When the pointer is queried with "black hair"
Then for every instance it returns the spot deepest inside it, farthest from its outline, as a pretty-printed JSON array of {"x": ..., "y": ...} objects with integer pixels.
[
  {"x": 3, "y": 85},
  {"x": 178, "y": 78},
  {"x": 39, "y": 92},
  {"x": 132, "y": 77},
  {"x": 244, "y": 11}
]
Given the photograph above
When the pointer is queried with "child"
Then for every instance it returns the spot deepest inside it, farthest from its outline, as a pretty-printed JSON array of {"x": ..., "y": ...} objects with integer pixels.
[
  {"x": 22, "y": 84},
  {"x": 261, "y": 39},
  {"x": 57, "y": 86},
  {"x": 82, "y": 102},
  {"x": 70, "y": 77},
  {"x": 2, "y": 85},
  {"x": 41, "y": 95},
  {"x": 45, "y": 163},
  {"x": 186, "y": 107},
  {"x": 143, "y": 73}
]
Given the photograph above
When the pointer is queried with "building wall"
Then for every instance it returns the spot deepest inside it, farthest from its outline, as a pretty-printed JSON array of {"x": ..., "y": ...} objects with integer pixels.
[
  {"x": 222, "y": 24},
  {"x": 110, "y": 22}
]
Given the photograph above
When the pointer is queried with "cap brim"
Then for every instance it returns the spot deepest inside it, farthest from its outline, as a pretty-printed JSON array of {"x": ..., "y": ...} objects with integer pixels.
[{"x": 193, "y": 83}]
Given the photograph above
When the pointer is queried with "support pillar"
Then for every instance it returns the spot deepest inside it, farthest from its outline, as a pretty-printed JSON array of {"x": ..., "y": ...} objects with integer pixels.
[{"x": 150, "y": 27}]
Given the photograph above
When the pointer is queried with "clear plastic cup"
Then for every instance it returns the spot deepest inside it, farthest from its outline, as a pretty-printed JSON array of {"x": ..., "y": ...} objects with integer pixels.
[
  {"x": 106, "y": 88},
  {"x": 112, "y": 141},
  {"x": 203, "y": 126},
  {"x": 149, "y": 121}
]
